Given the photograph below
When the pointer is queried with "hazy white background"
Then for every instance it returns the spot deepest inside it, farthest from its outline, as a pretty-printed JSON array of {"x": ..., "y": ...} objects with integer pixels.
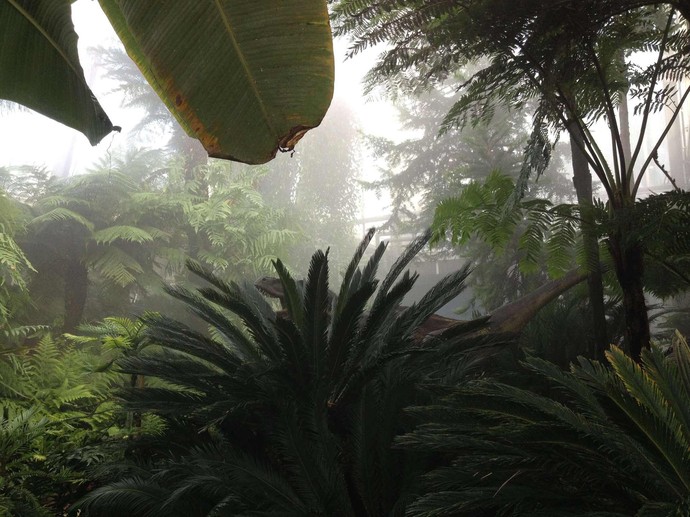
[{"x": 32, "y": 139}]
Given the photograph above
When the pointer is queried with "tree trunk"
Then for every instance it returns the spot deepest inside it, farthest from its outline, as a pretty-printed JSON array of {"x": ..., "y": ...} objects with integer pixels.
[
  {"x": 134, "y": 417},
  {"x": 582, "y": 180},
  {"x": 629, "y": 262},
  {"x": 513, "y": 317},
  {"x": 624, "y": 124},
  {"x": 76, "y": 286}
]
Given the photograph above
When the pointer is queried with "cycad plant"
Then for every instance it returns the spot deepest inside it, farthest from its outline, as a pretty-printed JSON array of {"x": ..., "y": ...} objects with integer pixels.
[
  {"x": 604, "y": 441},
  {"x": 290, "y": 413}
]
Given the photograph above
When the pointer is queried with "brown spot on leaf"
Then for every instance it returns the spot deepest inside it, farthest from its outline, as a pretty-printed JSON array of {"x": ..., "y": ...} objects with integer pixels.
[{"x": 288, "y": 142}]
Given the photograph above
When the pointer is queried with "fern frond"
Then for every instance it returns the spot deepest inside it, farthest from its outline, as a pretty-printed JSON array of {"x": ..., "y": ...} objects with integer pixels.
[
  {"x": 122, "y": 233},
  {"x": 62, "y": 214},
  {"x": 116, "y": 265}
]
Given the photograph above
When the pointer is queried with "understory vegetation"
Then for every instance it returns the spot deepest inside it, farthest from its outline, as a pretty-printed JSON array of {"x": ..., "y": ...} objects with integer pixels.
[{"x": 343, "y": 402}]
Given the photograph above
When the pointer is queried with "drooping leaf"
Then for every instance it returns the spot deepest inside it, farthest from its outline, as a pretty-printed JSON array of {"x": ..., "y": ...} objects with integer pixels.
[
  {"x": 39, "y": 66},
  {"x": 246, "y": 78}
]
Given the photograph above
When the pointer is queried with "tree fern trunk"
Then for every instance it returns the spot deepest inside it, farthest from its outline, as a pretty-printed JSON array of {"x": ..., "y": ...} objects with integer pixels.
[
  {"x": 76, "y": 286},
  {"x": 134, "y": 417},
  {"x": 629, "y": 262},
  {"x": 582, "y": 180}
]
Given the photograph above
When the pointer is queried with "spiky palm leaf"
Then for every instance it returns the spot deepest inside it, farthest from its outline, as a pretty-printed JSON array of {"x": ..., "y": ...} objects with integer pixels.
[
  {"x": 604, "y": 441},
  {"x": 306, "y": 402}
]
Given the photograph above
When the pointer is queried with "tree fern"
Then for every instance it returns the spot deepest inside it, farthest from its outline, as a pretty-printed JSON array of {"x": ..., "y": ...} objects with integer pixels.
[
  {"x": 116, "y": 265},
  {"x": 62, "y": 214},
  {"x": 533, "y": 54},
  {"x": 562, "y": 239},
  {"x": 661, "y": 224},
  {"x": 124, "y": 233},
  {"x": 484, "y": 210},
  {"x": 532, "y": 241}
]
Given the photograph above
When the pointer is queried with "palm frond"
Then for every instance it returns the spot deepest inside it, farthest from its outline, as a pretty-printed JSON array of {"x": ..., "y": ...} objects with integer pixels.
[
  {"x": 303, "y": 401},
  {"x": 602, "y": 441}
]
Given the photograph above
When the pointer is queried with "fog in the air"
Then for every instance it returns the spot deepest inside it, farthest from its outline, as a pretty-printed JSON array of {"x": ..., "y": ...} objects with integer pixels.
[
  {"x": 466, "y": 292},
  {"x": 377, "y": 160}
]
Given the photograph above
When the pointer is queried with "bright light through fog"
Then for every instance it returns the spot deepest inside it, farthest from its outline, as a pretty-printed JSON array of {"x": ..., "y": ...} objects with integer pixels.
[{"x": 30, "y": 138}]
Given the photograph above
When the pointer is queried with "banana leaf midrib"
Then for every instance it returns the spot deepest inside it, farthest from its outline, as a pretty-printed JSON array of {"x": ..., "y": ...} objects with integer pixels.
[{"x": 247, "y": 70}]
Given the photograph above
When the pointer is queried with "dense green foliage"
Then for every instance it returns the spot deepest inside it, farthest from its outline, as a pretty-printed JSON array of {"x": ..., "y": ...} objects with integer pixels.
[
  {"x": 660, "y": 224},
  {"x": 332, "y": 407},
  {"x": 597, "y": 440},
  {"x": 15, "y": 264},
  {"x": 293, "y": 414},
  {"x": 575, "y": 69},
  {"x": 345, "y": 403},
  {"x": 57, "y": 420},
  {"x": 104, "y": 241}
]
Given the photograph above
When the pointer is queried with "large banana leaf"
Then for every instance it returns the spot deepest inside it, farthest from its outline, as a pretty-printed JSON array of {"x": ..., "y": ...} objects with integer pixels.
[
  {"x": 39, "y": 65},
  {"x": 245, "y": 77}
]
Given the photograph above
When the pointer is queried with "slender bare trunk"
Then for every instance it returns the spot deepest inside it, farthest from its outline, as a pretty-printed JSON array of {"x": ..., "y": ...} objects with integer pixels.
[
  {"x": 624, "y": 124},
  {"x": 629, "y": 262},
  {"x": 134, "y": 418}
]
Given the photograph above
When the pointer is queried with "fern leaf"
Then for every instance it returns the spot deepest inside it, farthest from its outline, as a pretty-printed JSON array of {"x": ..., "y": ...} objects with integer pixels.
[{"x": 122, "y": 233}]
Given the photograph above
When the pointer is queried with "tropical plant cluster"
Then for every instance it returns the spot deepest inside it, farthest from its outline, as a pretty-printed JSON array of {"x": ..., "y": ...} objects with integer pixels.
[
  {"x": 573, "y": 63},
  {"x": 142, "y": 372},
  {"x": 340, "y": 403},
  {"x": 336, "y": 406}
]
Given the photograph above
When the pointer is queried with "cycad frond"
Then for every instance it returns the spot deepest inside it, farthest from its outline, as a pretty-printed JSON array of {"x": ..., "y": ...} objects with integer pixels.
[
  {"x": 304, "y": 406},
  {"x": 401, "y": 263},
  {"x": 293, "y": 296},
  {"x": 133, "y": 496},
  {"x": 317, "y": 305},
  {"x": 352, "y": 268},
  {"x": 605, "y": 440}
]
